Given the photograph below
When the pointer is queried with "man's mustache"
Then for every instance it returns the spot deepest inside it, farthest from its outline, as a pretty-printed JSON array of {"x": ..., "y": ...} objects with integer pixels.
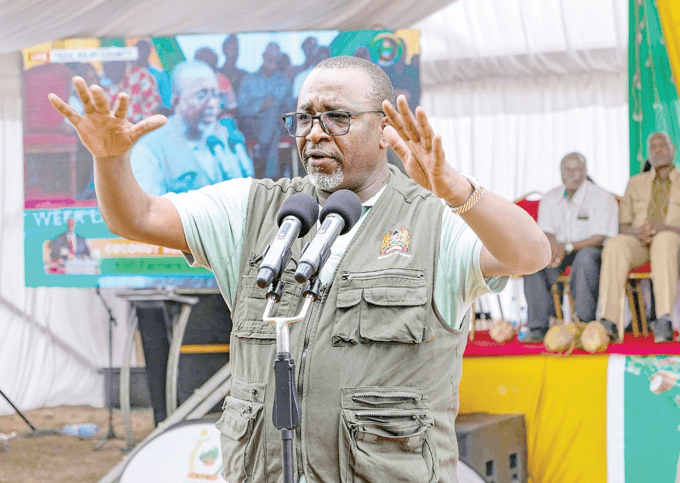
[{"x": 318, "y": 152}]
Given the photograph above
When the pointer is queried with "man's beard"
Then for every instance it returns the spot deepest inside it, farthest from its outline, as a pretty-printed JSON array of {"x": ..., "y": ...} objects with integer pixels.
[{"x": 328, "y": 182}]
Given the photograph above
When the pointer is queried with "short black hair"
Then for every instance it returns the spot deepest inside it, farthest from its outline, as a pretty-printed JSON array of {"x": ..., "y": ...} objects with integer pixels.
[{"x": 382, "y": 86}]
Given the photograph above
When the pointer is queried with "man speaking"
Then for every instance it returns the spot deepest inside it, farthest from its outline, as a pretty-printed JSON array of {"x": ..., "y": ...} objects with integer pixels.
[
  {"x": 193, "y": 149},
  {"x": 379, "y": 354}
]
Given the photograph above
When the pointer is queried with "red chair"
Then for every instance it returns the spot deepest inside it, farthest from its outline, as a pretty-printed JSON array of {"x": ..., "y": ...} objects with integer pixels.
[
  {"x": 45, "y": 131},
  {"x": 530, "y": 203}
]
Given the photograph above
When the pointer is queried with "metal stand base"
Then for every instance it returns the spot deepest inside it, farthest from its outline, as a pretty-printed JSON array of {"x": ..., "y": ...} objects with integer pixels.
[{"x": 34, "y": 431}]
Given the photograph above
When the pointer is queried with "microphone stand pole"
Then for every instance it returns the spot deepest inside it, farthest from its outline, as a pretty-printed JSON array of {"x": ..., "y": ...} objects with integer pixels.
[
  {"x": 286, "y": 411},
  {"x": 112, "y": 321}
]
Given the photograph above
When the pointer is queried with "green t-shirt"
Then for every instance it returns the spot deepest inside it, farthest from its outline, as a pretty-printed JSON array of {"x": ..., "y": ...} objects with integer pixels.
[{"x": 214, "y": 220}]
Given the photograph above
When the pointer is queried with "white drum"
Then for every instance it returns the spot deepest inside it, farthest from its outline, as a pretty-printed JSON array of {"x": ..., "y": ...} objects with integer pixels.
[
  {"x": 187, "y": 452},
  {"x": 467, "y": 474}
]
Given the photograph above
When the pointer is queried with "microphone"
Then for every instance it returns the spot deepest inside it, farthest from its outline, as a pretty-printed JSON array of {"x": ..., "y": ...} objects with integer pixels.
[
  {"x": 297, "y": 216},
  {"x": 212, "y": 142},
  {"x": 339, "y": 214}
]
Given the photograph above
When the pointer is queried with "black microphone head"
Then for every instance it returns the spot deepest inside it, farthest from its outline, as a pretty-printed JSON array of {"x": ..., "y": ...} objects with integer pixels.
[
  {"x": 346, "y": 204},
  {"x": 303, "y": 207}
]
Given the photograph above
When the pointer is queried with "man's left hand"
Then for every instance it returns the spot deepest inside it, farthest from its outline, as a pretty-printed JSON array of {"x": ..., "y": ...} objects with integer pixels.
[
  {"x": 558, "y": 253},
  {"x": 413, "y": 139}
]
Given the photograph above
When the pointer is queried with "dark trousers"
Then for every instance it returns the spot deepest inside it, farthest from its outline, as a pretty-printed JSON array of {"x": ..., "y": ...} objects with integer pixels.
[{"x": 584, "y": 284}]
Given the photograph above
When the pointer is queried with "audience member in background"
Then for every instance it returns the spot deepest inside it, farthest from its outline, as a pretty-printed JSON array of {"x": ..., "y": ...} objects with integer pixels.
[
  {"x": 229, "y": 69},
  {"x": 261, "y": 101},
  {"x": 161, "y": 77},
  {"x": 319, "y": 54},
  {"x": 649, "y": 226},
  {"x": 138, "y": 83},
  {"x": 308, "y": 48},
  {"x": 192, "y": 149},
  {"x": 84, "y": 166},
  {"x": 68, "y": 245},
  {"x": 577, "y": 217},
  {"x": 363, "y": 53},
  {"x": 228, "y": 100},
  {"x": 89, "y": 73}
]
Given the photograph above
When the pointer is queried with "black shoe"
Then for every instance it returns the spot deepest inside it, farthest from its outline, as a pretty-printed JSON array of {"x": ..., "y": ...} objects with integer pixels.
[
  {"x": 662, "y": 329},
  {"x": 612, "y": 330},
  {"x": 534, "y": 336}
]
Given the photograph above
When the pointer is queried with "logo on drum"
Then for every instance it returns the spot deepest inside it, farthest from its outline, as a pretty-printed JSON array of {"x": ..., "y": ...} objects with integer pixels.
[{"x": 204, "y": 459}]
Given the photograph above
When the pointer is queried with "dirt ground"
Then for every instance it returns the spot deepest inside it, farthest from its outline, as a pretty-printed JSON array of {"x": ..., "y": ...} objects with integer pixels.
[{"x": 60, "y": 458}]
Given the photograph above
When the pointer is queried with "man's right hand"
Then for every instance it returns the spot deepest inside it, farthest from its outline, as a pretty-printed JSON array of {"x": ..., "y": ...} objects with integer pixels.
[
  {"x": 646, "y": 232},
  {"x": 104, "y": 132},
  {"x": 557, "y": 254}
]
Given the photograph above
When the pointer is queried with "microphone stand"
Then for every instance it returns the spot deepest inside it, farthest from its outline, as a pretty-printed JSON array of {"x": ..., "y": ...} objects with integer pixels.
[
  {"x": 286, "y": 410},
  {"x": 112, "y": 321}
]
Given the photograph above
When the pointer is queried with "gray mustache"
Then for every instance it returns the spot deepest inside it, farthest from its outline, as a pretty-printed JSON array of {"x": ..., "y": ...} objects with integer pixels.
[{"x": 318, "y": 152}]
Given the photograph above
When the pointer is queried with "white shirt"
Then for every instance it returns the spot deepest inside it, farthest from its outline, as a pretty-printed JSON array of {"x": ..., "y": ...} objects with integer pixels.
[{"x": 591, "y": 211}]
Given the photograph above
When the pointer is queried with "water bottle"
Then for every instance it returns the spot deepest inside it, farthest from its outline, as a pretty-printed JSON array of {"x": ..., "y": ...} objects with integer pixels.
[
  {"x": 82, "y": 430},
  {"x": 513, "y": 313},
  {"x": 523, "y": 327}
]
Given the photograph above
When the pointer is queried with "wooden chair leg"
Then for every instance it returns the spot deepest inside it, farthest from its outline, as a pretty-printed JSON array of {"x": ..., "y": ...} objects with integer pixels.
[
  {"x": 570, "y": 300},
  {"x": 630, "y": 288},
  {"x": 641, "y": 306},
  {"x": 556, "y": 292},
  {"x": 473, "y": 322}
]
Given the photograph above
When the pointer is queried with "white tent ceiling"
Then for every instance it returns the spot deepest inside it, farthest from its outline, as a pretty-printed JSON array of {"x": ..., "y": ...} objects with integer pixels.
[{"x": 512, "y": 85}]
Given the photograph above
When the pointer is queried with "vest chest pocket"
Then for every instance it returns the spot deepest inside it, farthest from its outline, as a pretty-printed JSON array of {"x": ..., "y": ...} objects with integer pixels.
[
  {"x": 381, "y": 306},
  {"x": 384, "y": 436}
]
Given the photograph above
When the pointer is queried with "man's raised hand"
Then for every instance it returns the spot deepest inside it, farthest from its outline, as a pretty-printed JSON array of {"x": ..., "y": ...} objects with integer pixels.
[
  {"x": 104, "y": 132},
  {"x": 413, "y": 139}
]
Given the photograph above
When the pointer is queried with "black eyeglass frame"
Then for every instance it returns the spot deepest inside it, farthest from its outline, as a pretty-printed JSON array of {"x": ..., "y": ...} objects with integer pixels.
[{"x": 349, "y": 114}]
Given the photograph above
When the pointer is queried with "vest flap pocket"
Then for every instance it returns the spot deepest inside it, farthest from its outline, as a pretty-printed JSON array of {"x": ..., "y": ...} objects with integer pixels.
[
  {"x": 394, "y": 314},
  {"x": 396, "y": 296},
  {"x": 232, "y": 425},
  {"x": 237, "y": 417},
  {"x": 348, "y": 298},
  {"x": 251, "y": 304}
]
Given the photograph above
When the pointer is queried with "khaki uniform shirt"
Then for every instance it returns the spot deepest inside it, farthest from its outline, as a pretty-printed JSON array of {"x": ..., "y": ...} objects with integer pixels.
[{"x": 638, "y": 198}]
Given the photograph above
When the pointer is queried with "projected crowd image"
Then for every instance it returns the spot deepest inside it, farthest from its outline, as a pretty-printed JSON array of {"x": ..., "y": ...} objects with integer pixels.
[{"x": 223, "y": 95}]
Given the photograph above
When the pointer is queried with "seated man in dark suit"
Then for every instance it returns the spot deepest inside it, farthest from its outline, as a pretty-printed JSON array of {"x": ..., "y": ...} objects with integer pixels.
[{"x": 577, "y": 217}]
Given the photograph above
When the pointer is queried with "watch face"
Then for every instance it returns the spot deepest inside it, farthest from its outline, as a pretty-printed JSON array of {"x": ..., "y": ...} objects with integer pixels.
[{"x": 473, "y": 181}]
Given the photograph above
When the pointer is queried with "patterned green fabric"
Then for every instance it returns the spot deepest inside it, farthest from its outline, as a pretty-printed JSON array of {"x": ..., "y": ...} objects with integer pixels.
[{"x": 652, "y": 95}]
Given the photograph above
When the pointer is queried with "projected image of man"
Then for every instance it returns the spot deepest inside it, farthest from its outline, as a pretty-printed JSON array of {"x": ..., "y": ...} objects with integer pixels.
[{"x": 193, "y": 149}]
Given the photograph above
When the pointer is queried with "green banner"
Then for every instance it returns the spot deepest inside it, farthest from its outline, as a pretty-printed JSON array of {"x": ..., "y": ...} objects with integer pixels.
[
  {"x": 651, "y": 419},
  {"x": 652, "y": 97}
]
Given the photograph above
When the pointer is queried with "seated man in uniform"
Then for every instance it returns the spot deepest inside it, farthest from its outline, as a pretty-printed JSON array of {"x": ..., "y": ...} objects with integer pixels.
[{"x": 649, "y": 223}]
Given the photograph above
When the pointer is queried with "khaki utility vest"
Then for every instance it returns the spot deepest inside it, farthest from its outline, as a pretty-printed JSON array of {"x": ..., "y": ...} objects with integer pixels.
[{"x": 377, "y": 368}]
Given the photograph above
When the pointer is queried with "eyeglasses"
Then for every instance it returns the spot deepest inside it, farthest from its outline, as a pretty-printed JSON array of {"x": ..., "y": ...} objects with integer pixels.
[
  {"x": 204, "y": 94},
  {"x": 333, "y": 123}
]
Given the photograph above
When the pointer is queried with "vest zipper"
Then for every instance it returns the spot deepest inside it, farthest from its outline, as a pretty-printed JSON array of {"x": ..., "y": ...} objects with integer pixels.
[
  {"x": 301, "y": 373},
  {"x": 377, "y": 273},
  {"x": 362, "y": 397},
  {"x": 388, "y": 416}
]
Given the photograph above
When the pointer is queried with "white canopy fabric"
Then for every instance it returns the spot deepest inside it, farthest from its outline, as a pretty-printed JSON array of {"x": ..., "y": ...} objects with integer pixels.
[{"x": 512, "y": 86}]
